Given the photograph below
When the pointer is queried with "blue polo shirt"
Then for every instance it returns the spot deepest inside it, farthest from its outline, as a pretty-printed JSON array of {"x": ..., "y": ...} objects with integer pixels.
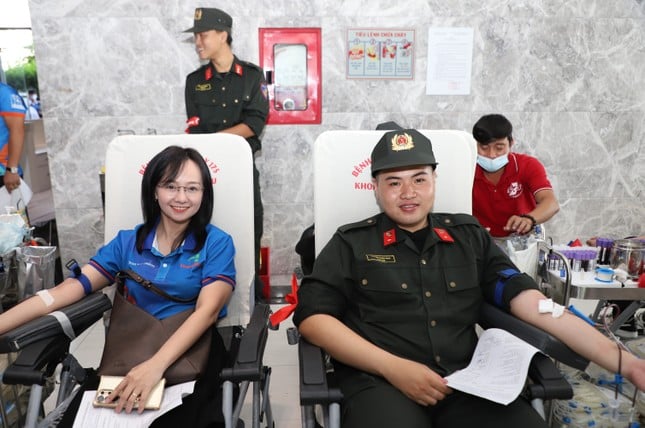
[{"x": 182, "y": 273}]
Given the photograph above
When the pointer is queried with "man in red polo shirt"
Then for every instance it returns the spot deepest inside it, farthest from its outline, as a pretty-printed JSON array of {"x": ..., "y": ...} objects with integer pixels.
[{"x": 511, "y": 192}]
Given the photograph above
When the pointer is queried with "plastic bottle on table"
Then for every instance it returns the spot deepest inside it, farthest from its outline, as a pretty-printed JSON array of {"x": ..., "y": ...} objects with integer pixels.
[{"x": 576, "y": 263}]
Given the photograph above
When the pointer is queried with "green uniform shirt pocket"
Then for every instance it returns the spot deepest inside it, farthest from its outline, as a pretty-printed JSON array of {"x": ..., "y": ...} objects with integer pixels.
[
  {"x": 463, "y": 293},
  {"x": 388, "y": 294}
]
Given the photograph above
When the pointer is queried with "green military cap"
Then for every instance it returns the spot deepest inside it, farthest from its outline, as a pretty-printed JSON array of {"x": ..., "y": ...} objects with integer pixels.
[
  {"x": 404, "y": 147},
  {"x": 210, "y": 18}
]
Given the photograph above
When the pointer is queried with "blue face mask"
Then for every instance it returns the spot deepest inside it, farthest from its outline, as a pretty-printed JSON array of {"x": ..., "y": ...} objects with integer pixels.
[{"x": 492, "y": 165}]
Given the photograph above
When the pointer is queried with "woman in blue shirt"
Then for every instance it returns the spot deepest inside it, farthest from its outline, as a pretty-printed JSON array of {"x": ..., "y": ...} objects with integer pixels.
[{"x": 176, "y": 248}]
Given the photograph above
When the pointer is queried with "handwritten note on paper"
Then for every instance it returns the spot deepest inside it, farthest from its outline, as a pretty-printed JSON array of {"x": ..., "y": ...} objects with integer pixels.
[
  {"x": 96, "y": 417},
  {"x": 498, "y": 368}
]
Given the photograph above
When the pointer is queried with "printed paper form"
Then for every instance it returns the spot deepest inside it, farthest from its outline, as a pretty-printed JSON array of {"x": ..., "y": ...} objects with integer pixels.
[
  {"x": 90, "y": 416},
  {"x": 498, "y": 368}
]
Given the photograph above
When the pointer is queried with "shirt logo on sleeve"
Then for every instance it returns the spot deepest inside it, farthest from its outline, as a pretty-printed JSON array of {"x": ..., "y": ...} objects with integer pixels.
[{"x": 381, "y": 258}]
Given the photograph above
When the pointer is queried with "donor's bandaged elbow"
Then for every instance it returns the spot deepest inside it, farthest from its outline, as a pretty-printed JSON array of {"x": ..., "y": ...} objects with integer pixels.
[{"x": 546, "y": 306}]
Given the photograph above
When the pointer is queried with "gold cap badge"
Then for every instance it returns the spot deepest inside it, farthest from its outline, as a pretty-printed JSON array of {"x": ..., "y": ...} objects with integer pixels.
[
  {"x": 198, "y": 14},
  {"x": 402, "y": 142}
]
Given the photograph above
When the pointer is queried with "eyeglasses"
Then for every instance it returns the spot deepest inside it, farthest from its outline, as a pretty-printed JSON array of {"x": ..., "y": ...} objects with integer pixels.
[{"x": 173, "y": 189}]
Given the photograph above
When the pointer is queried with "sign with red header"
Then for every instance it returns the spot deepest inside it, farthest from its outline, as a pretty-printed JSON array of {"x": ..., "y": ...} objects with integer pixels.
[{"x": 380, "y": 53}]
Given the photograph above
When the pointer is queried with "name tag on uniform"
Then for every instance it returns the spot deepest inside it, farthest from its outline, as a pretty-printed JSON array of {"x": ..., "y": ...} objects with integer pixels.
[{"x": 381, "y": 258}]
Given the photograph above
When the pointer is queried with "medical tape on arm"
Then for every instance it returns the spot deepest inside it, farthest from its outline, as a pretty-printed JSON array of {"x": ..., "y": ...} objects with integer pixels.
[
  {"x": 546, "y": 306},
  {"x": 46, "y": 297},
  {"x": 65, "y": 324}
]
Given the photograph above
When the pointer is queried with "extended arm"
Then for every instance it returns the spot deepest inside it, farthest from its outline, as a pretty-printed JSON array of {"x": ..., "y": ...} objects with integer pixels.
[
  {"x": 415, "y": 380},
  {"x": 67, "y": 292},
  {"x": 579, "y": 336}
]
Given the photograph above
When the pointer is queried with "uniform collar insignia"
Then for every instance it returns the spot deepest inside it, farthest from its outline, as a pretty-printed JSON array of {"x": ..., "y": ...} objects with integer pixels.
[
  {"x": 389, "y": 237},
  {"x": 443, "y": 235},
  {"x": 208, "y": 74},
  {"x": 238, "y": 69}
]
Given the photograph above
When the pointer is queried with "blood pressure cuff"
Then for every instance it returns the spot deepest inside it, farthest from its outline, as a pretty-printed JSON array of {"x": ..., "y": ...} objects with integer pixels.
[
  {"x": 70, "y": 321},
  {"x": 510, "y": 283}
]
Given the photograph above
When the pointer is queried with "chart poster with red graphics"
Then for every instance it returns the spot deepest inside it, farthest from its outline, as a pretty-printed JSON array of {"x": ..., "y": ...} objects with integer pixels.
[
  {"x": 291, "y": 59},
  {"x": 380, "y": 53}
]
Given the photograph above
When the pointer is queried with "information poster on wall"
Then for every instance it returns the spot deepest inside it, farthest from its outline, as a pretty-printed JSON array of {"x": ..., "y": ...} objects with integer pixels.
[
  {"x": 380, "y": 53},
  {"x": 450, "y": 52}
]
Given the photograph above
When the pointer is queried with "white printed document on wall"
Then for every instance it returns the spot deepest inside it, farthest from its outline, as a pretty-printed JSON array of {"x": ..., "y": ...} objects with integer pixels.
[
  {"x": 450, "y": 58},
  {"x": 498, "y": 368}
]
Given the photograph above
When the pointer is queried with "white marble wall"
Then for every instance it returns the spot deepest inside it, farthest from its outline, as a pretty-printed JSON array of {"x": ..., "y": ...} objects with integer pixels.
[{"x": 569, "y": 75}]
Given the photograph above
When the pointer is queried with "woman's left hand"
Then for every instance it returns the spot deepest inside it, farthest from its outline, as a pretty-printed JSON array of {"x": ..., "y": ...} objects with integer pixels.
[{"x": 136, "y": 386}]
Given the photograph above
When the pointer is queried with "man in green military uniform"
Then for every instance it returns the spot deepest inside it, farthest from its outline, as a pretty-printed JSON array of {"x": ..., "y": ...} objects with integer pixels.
[
  {"x": 394, "y": 300},
  {"x": 227, "y": 95}
]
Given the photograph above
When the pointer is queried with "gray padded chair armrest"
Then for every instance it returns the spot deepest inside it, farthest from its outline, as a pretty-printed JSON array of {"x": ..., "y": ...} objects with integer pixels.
[
  {"x": 36, "y": 362},
  {"x": 314, "y": 388},
  {"x": 81, "y": 315},
  {"x": 247, "y": 363},
  {"x": 42, "y": 343},
  {"x": 547, "y": 381}
]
